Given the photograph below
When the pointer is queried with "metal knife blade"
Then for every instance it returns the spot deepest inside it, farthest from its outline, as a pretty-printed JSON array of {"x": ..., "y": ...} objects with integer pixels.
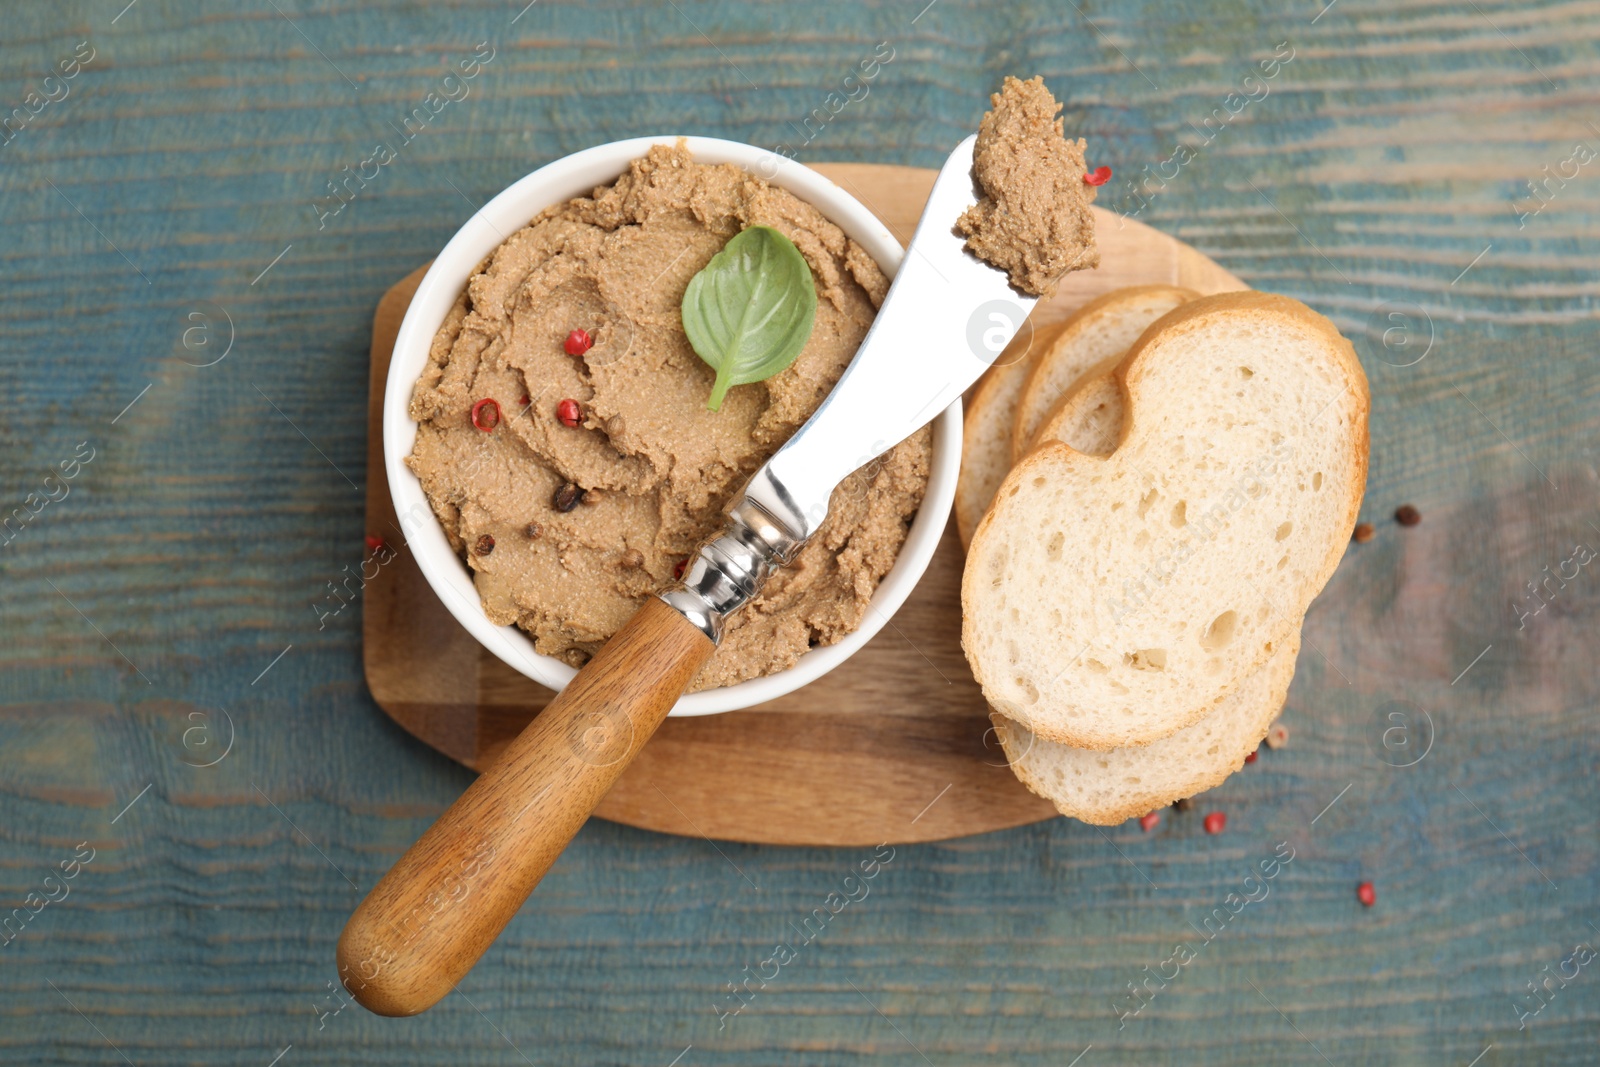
[{"x": 945, "y": 319}]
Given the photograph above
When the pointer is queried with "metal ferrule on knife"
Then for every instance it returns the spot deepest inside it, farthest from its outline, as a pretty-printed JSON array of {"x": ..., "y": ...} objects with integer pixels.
[{"x": 728, "y": 571}]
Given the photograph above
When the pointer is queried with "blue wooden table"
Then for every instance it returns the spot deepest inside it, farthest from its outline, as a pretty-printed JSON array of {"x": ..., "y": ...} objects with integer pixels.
[{"x": 195, "y": 788}]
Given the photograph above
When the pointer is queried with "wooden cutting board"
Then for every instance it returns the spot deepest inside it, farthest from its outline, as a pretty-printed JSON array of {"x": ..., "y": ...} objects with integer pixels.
[{"x": 894, "y": 745}]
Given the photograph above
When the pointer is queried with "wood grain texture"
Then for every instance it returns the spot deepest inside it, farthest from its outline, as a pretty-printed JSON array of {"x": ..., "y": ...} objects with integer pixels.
[
  {"x": 833, "y": 764},
  {"x": 1380, "y": 180}
]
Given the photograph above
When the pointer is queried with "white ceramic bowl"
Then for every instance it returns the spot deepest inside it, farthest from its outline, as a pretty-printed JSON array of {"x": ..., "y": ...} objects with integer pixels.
[{"x": 579, "y": 175}]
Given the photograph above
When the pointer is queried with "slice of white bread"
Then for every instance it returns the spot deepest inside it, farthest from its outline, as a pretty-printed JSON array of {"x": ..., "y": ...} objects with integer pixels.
[
  {"x": 1114, "y": 601},
  {"x": 986, "y": 428},
  {"x": 1101, "y": 329},
  {"x": 1104, "y": 788}
]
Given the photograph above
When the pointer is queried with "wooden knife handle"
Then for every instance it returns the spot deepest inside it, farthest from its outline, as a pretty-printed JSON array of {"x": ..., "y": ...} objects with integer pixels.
[{"x": 429, "y": 919}]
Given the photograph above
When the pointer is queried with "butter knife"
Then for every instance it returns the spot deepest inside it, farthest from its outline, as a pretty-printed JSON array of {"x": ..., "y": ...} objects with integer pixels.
[{"x": 428, "y": 920}]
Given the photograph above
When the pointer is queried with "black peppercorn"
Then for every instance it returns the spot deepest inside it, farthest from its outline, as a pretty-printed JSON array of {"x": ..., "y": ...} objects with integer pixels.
[{"x": 567, "y": 497}]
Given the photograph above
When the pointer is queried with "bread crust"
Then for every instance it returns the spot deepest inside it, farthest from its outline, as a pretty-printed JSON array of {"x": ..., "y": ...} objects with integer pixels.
[
  {"x": 1205, "y": 772},
  {"x": 1130, "y": 374},
  {"x": 1079, "y": 323},
  {"x": 1064, "y": 414},
  {"x": 994, "y": 399}
]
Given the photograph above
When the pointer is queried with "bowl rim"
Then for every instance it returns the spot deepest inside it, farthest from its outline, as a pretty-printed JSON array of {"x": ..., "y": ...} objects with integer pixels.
[{"x": 580, "y": 174}]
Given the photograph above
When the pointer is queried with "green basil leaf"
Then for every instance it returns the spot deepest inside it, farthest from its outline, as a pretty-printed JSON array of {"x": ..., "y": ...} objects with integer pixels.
[{"x": 749, "y": 312}]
